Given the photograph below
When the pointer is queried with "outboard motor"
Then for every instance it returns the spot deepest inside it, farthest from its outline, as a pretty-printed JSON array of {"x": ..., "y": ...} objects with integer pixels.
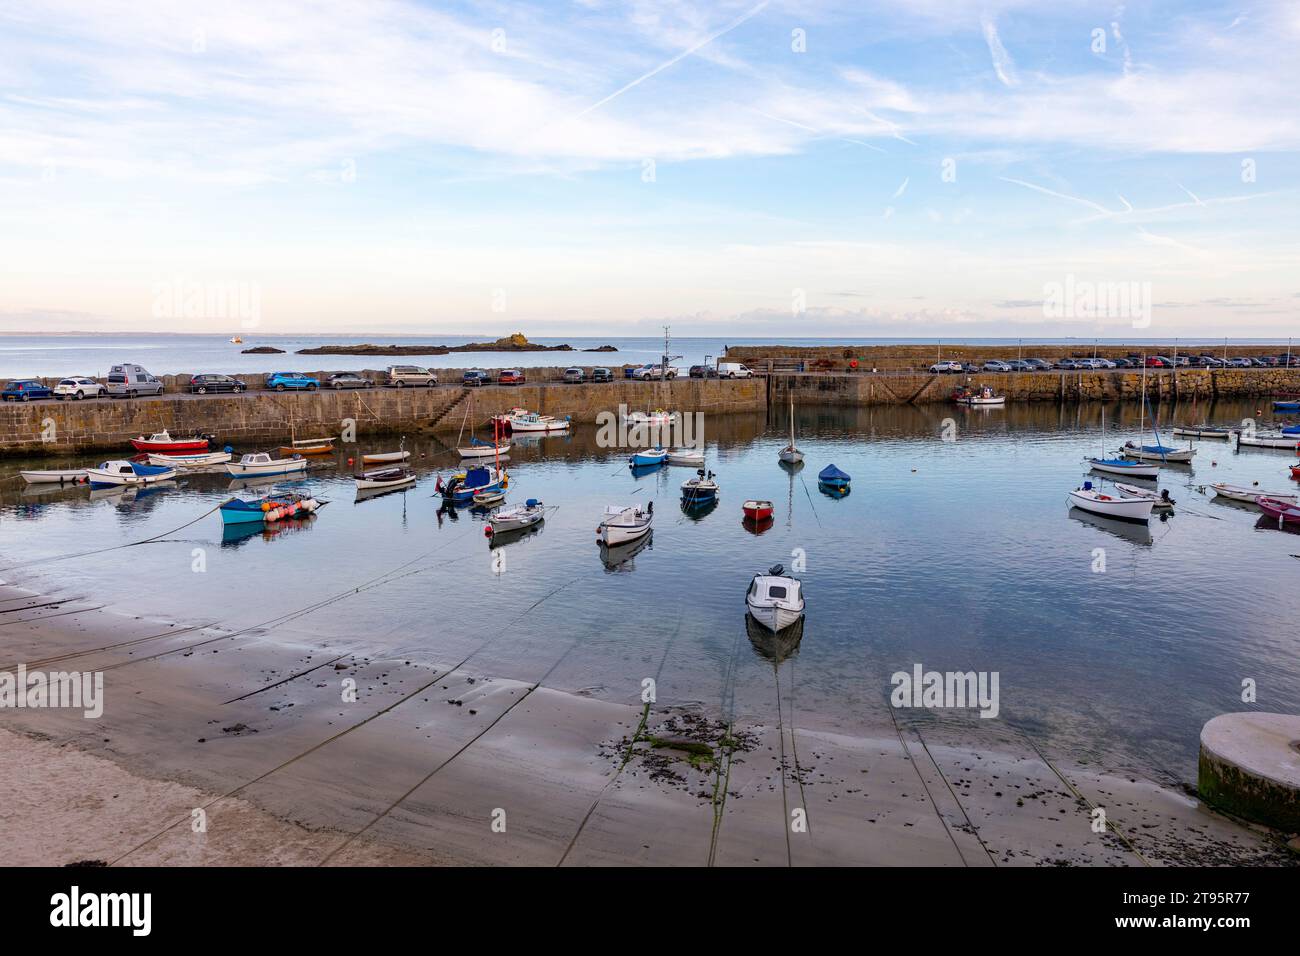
[
  {"x": 650, "y": 508},
  {"x": 776, "y": 570}
]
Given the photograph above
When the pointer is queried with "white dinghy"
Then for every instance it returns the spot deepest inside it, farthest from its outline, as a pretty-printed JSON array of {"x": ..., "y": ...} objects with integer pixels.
[
  {"x": 531, "y": 512},
  {"x": 1252, "y": 495},
  {"x": 1159, "y": 501},
  {"x": 686, "y": 456},
  {"x": 624, "y": 523},
  {"x": 204, "y": 460},
  {"x": 1123, "y": 507},
  {"x": 66, "y": 476},
  {"x": 775, "y": 600},
  {"x": 385, "y": 478}
]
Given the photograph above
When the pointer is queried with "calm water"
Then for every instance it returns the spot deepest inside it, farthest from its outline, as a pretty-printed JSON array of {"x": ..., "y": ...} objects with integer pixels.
[
  {"x": 25, "y": 355},
  {"x": 960, "y": 555}
]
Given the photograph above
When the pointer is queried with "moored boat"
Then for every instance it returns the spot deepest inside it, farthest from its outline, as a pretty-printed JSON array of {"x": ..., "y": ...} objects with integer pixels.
[
  {"x": 261, "y": 464},
  {"x": 648, "y": 457},
  {"x": 657, "y": 417},
  {"x": 1202, "y": 431},
  {"x": 1286, "y": 406},
  {"x": 163, "y": 442},
  {"x": 1159, "y": 501},
  {"x": 127, "y": 473},
  {"x": 486, "y": 499},
  {"x": 775, "y": 600},
  {"x": 533, "y": 422},
  {"x": 1252, "y": 495},
  {"x": 985, "y": 397},
  {"x": 1284, "y": 513},
  {"x": 380, "y": 458},
  {"x": 270, "y": 509},
  {"x": 1295, "y": 472},
  {"x": 699, "y": 489},
  {"x": 686, "y": 456},
  {"x": 1268, "y": 440},
  {"x": 502, "y": 520},
  {"x": 1124, "y": 466},
  {"x": 201, "y": 460},
  {"x": 477, "y": 448},
  {"x": 63, "y": 476},
  {"x": 1123, "y": 507},
  {"x": 385, "y": 478},
  {"x": 464, "y": 486},
  {"x": 308, "y": 446},
  {"x": 624, "y": 523},
  {"x": 832, "y": 479},
  {"x": 756, "y": 509},
  {"x": 1161, "y": 453}
]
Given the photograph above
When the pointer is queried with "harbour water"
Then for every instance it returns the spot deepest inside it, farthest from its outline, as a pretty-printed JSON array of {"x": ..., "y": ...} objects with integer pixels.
[{"x": 1114, "y": 643}]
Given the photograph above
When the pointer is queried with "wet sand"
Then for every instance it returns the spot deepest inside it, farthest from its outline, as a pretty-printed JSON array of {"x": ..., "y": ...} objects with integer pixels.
[{"x": 437, "y": 764}]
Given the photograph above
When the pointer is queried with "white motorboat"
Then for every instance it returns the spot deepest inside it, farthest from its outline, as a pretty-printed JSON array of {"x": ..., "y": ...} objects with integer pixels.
[
  {"x": 1160, "y": 501},
  {"x": 531, "y": 512},
  {"x": 385, "y": 457},
  {"x": 775, "y": 599},
  {"x": 65, "y": 476},
  {"x": 1123, "y": 507},
  {"x": 686, "y": 456},
  {"x": 385, "y": 478},
  {"x": 260, "y": 463},
  {"x": 204, "y": 460},
  {"x": 533, "y": 422},
  {"x": 1202, "y": 431},
  {"x": 128, "y": 473},
  {"x": 624, "y": 523},
  {"x": 1252, "y": 495},
  {"x": 1268, "y": 440}
]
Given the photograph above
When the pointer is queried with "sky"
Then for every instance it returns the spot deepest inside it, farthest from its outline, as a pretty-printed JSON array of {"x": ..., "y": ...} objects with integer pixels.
[{"x": 599, "y": 168}]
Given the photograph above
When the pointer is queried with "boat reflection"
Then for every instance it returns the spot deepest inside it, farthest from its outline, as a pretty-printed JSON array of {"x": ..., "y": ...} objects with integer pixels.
[
  {"x": 757, "y": 526},
  {"x": 1128, "y": 530},
  {"x": 366, "y": 494},
  {"x": 619, "y": 557},
  {"x": 503, "y": 538},
  {"x": 833, "y": 491},
  {"x": 774, "y": 647},
  {"x": 235, "y": 535},
  {"x": 1267, "y": 523},
  {"x": 696, "y": 509}
]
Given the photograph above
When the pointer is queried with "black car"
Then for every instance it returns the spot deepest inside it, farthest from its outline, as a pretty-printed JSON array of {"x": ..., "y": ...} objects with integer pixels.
[
  {"x": 475, "y": 377},
  {"x": 202, "y": 384},
  {"x": 348, "y": 380},
  {"x": 703, "y": 371},
  {"x": 602, "y": 375},
  {"x": 1123, "y": 363}
]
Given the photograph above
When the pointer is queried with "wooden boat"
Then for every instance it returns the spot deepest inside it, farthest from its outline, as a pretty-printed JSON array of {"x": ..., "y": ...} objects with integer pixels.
[
  {"x": 1268, "y": 440},
  {"x": 385, "y": 478},
  {"x": 1284, "y": 513},
  {"x": 65, "y": 476},
  {"x": 308, "y": 446},
  {"x": 1159, "y": 501},
  {"x": 1161, "y": 453},
  {"x": 533, "y": 422},
  {"x": 384, "y": 457},
  {"x": 482, "y": 449},
  {"x": 1202, "y": 431},
  {"x": 1123, "y": 507},
  {"x": 1252, "y": 495},
  {"x": 1124, "y": 466},
  {"x": 127, "y": 473},
  {"x": 485, "y": 499},
  {"x": 700, "y": 489},
  {"x": 260, "y": 464},
  {"x": 502, "y": 520},
  {"x": 790, "y": 455},
  {"x": 268, "y": 510},
  {"x": 624, "y": 523},
  {"x": 757, "y": 510},
  {"x": 464, "y": 486},
  {"x": 775, "y": 600},
  {"x": 648, "y": 457},
  {"x": 834, "y": 479},
  {"x": 686, "y": 456},
  {"x": 163, "y": 442},
  {"x": 984, "y": 397},
  {"x": 202, "y": 460}
]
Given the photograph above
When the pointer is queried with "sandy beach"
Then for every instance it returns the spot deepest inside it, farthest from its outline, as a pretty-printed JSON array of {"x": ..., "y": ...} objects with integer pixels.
[{"x": 436, "y": 764}]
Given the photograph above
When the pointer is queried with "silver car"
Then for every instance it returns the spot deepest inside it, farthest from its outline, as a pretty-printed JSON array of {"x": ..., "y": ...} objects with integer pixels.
[{"x": 129, "y": 380}]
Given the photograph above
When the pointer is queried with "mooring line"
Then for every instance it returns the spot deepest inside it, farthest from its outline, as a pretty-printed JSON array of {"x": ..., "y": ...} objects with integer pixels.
[
  {"x": 116, "y": 547},
  {"x": 46, "y": 617},
  {"x": 254, "y": 693},
  {"x": 719, "y": 797},
  {"x": 794, "y": 749},
  {"x": 780, "y": 732},
  {"x": 41, "y": 662},
  {"x": 955, "y": 799},
  {"x": 924, "y": 786}
]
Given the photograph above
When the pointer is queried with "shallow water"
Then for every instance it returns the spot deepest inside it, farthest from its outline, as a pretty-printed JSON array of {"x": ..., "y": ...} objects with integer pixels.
[{"x": 959, "y": 555}]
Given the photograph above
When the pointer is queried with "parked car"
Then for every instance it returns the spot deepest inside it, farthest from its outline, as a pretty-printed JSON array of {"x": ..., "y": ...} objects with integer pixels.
[
  {"x": 602, "y": 375},
  {"x": 1182, "y": 361},
  {"x": 1020, "y": 365},
  {"x": 1291, "y": 361},
  {"x": 1268, "y": 361},
  {"x": 348, "y": 380},
  {"x": 78, "y": 387},
  {"x": 574, "y": 376},
  {"x": 25, "y": 389},
  {"x": 672, "y": 371},
  {"x": 1124, "y": 363},
  {"x": 1067, "y": 364},
  {"x": 1159, "y": 361},
  {"x": 702, "y": 371},
  {"x": 1209, "y": 361},
  {"x": 403, "y": 375},
  {"x": 945, "y": 368},
  {"x": 202, "y": 384},
  {"x": 1038, "y": 365},
  {"x": 1104, "y": 363},
  {"x": 131, "y": 380},
  {"x": 994, "y": 365},
  {"x": 730, "y": 370},
  {"x": 280, "y": 381},
  {"x": 1239, "y": 361},
  {"x": 511, "y": 376},
  {"x": 475, "y": 377}
]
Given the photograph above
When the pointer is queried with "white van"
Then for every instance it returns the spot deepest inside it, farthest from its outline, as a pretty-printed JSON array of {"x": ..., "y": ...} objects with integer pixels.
[
  {"x": 132, "y": 380},
  {"x": 733, "y": 370},
  {"x": 403, "y": 375}
]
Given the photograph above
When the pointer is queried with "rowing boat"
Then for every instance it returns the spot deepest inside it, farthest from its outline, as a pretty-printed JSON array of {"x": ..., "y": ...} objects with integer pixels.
[
  {"x": 384, "y": 457},
  {"x": 1123, "y": 507},
  {"x": 385, "y": 478},
  {"x": 1252, "y": 495},
  {"x": 75, "y": 476},
  {"x": 308, "y": 446}
]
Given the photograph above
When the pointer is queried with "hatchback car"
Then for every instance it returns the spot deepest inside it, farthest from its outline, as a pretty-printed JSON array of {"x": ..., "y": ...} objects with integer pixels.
[
  {"x": 1019, "y": 365},
  {"x": 994, "y": 365},
  {"x": 79, "y": 387},
  {"x": 574, "y": 376},
  {"x": 1239, "y": 362},
  {"x": 202, "y": 384},
  {"x": 602, "y": 375},
  {"x": 702, "y": 371},
  {"x": 475, "y": 377},
  {"x": 1158, "y": 361},
  {"x": 511, "y": 376},
  {"x": 1067, "y": 364},
  {"x": 24, "y": 390},
  {"x": 282, "y": 381},
  {"x": 1038, "y": 365},
  {"x": 348, "y": 380},
  {"x": 945, "y": 368},
  {"x": 1125, "y": 363}
]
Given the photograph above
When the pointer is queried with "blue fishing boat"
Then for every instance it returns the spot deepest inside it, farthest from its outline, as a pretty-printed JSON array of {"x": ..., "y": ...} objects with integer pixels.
[
  {"x": 649, "y": 458},
  {"x": 700, "y": 490},
  {"x": 1291, "y": 430},
  {"x": 833, "y": 478},
  {"x": 463, "y": 487},
  {"x": 1287, "y": 406},
  {"x": 269, "y": 509}
]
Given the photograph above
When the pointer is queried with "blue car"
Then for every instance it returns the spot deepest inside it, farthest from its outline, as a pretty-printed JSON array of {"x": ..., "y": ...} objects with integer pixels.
[
  {"x": 25, "y": 389},
  {"x": 476, "y": 377},
  {"x": 279, "y": 381}
]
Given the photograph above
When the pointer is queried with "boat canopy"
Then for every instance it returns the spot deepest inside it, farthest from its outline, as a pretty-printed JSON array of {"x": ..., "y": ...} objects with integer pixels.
[
  {"x": 477, "y": 478},
  {"x": 831, "y": 473},
  {"x": 532, "y": 503},
  {"x": 148, "y": 470}
]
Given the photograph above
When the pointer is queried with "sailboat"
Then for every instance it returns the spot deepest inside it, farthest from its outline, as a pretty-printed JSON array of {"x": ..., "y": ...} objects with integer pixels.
[
  {"x": 1157, "y": 452},
  {"x": 477, "y": 448},
  {"x": 1120, "y": 466},
  {"x": 789, "y": 454}
]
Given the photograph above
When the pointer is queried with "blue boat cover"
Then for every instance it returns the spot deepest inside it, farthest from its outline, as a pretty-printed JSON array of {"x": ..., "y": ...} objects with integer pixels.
[
  {"x": 1291, "y": 430},
  {"x": 831, "y": 473},
  {"x": 148, "y": 469},
  {"x": 1118, "y": 462},
  {"x": 479, "y": 441},
  {"x": 532, "y": 503},
  {"x": 1158, "y": 449},
  {"x": 477, "y": 477}
]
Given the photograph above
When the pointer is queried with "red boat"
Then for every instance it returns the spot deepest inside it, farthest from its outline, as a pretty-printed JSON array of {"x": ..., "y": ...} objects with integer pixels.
[
  {"x": 163, "y": 442},
  {"x": 1295, "y": 472},
  {"x": 1284, "y": 512},
  {"x": 757, "y": 510}
]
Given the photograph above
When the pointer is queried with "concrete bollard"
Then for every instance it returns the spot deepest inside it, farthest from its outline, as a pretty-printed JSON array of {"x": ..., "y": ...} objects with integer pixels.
[{"x": 1250, "y": 766}]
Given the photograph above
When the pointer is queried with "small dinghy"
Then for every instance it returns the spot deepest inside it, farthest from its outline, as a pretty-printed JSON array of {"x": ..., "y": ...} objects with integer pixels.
[
  {"x": 308, "y": 446},
  {"x": 833, "y": 481},
  {"x": 648, "y": 458},
  {"x": 1122, "y": 507},
  {"x": 473, "y": 481},
  {"x": 658, "y": 417},
  {"x": 1252, "y": 495},
  {"x": 260, "y": 464},
  {"x": 700, "y": 489},
  {"x": 1295, "y": 472},
  {"x": 1163, "y": 453},
  {"x": 1287, "y": 406},
  {"x": 775, "y": 600},
  {"x": 66, "y": 476},
  {"x": 268, "y": 510},
  {"x": 757, "y": 510},
  {"x": 477, "y": 448},
  {"x": 686, "y": 456},
  {"x": 486, "y": 499},
  {"x": 1124, "y": 466},
  {"x": 203, "y": 460},
  {"x": 163, "y": 442},
  {"x": 385, "y": 457},
  {"x": 624, "y": 523},
  {"x": 1160, "y": 502},
  {"x": 1284, "y": 513},
  {"x": 1202, "y": 431},
  {"x": 385, "y": 478},
  {"x": 1268, "y": 440},
  {"x": 127, "y": 473},
  {"x": 515, "y": 519}
]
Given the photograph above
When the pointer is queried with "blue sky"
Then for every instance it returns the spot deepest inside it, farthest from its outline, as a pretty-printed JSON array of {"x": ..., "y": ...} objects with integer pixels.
[{"x": 593, "y": 167}]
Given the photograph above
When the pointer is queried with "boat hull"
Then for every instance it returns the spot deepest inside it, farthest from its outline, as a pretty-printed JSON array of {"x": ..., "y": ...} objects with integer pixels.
[
  {"x": 1179, "y": 456},
  {"x": 1203, "y": 432},
  {"x": 177, "y": 446},
  {"x": 686, "y": 457},
  {"x": 1132, "y": 469},
  {"x": 74, "y": 476},
  {"x": 790, "y": 456},
  {"x": 483, "y": 451},
  {"x": 190, "y": 461},
  {"x": 648, "y": 459},
  {"x": 613, "y": 535},
  {"x": 262, "y": 470},
  {"x": 1123, "y": 509},
  {"x": 757, "y": 510},
  {"x": 321, "y": 449},
  {"x": 774, "y": 618},
  {"x": 1285, "y": 442},
  {"x": 1250, "y": 496},
  {"x": 389, "y": 456},
  {"x": 1284, "y": 513}
]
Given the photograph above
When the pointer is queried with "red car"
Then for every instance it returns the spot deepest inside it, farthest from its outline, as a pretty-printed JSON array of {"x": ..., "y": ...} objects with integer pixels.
[
  {"x": 1159, "y": 361},
  {"x": 511, "y": 376}
]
